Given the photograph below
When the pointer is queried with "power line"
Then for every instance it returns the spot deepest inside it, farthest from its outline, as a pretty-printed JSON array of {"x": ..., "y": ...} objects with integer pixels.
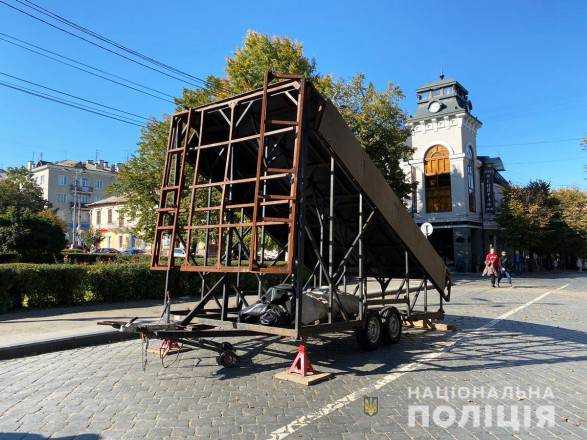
[
  {"x": 60, "y": 18},
  {"x": 75, "y": 103},
  {"x": 553, "y": 141},
  {"x": 74, "y": 96},
  {"x": 100, "y": 46},
  {"x": 87, "y": 65},
  {"x": 82, "y": 69},
  {"x": 70, "y": 104}
]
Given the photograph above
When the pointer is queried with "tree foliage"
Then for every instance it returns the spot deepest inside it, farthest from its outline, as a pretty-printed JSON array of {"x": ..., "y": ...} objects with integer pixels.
[
  {"x": 544, "y": 222},
  {"x": 374, "y": 116},
  {"x": 92, "y": 238},
  {"x": 36, "y": 238},
  {"x": 573, "y": 213},
  {"x": 19, "y": 194},
  {"x": 140, "y": 178},
  {"x": 27, "y": 228},
  {"x": 378, "y": 122}
]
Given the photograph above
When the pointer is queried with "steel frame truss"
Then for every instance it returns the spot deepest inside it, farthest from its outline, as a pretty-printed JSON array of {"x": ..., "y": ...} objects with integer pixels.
[{"x": 217, "y": 219}]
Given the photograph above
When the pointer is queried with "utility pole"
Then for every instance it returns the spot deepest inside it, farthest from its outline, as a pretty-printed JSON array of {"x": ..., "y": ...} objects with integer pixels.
[
  {"x": 77, "y": 209},
  {"x": 74, "y": 216}
]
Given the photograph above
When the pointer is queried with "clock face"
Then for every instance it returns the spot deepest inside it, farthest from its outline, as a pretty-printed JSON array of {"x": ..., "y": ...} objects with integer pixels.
[{"x": 434, "y": 106}]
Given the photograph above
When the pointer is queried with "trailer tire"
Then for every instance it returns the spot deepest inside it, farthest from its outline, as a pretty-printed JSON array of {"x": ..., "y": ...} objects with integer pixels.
[
  {"x": 392, "y": 326},
  {"x": 370, "y": 335}
]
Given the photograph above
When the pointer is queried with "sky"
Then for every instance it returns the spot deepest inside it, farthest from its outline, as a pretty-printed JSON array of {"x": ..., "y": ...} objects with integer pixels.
[{"x": 523, "y": 63}]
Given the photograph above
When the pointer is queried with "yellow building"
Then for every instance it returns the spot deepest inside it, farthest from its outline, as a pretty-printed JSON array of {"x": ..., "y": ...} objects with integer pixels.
[{"x": 118, "y": 231}]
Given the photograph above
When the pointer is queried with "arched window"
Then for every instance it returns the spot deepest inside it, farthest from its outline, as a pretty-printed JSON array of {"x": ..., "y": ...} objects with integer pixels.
[
  {"x": 471, "y": 178},
  {"x": 437, "y": 185}
]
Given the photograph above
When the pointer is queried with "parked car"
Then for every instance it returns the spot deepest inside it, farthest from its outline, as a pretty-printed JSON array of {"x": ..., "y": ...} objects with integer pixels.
[
  {"x": 132, "y": 251},
  {"x": 106, "y": 251}
]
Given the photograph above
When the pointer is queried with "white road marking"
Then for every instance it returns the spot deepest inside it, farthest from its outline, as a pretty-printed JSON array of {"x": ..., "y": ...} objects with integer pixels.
[{"x": 305, "y": 420}]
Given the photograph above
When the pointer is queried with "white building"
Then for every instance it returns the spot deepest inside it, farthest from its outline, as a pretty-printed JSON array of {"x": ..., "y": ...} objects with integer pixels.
[
  {"x": 452, "y": 187},
  {"x": 70, "y": 186}
]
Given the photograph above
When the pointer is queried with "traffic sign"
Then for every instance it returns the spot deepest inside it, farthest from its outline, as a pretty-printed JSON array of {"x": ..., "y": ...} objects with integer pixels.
[{"x": 427, "y": 229}]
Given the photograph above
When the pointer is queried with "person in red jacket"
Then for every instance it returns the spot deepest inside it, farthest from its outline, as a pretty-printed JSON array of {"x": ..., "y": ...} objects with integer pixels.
[{"x": 492, "y": 266}]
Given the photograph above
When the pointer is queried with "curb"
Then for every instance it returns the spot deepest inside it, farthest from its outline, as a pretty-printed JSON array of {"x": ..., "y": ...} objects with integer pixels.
[{"x": 64, "y": 343}]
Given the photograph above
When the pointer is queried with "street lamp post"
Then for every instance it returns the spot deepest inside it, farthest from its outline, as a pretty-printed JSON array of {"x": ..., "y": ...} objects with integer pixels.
[{"x": 414, "y": 185}]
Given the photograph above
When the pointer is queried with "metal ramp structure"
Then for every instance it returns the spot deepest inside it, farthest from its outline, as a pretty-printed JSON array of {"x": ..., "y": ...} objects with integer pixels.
[{"x": 272, "y": 187}]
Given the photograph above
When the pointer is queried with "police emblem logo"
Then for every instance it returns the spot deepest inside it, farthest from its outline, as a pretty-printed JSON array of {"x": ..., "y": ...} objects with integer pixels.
[{"x": 370, "y": 405}]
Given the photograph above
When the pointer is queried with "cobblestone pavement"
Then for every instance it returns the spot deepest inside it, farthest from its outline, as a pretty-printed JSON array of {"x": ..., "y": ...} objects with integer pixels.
[{"x": 532, "y": 358}]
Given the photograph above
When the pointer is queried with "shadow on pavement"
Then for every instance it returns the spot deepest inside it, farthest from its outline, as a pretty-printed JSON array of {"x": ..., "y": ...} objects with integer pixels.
[
  {"x": 29, "y": 436},
  {"x": 510, "y": 343}
]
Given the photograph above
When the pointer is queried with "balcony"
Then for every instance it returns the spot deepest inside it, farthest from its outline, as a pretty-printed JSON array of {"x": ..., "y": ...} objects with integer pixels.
[{"x": 81, "y": 189}]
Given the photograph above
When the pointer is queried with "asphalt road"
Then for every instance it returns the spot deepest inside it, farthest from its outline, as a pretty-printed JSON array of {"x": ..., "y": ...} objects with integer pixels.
[{"x": 516, "y": 368}]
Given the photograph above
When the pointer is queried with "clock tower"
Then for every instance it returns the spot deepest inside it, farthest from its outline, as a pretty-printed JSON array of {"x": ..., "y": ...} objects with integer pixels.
[
  {"x": 445, "y": 171},
  {"x": 442, "y": 98}
]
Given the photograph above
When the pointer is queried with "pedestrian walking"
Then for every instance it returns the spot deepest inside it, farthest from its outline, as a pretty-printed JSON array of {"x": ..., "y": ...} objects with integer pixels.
[
  {"x": 505, "y": 268},
  {"x": 492, "y": 266},
  {"x": 579, "y": 264}
]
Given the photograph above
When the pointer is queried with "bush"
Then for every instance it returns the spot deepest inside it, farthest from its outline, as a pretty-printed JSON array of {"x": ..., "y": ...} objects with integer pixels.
[
  {"x": 8, "y": 257},
  {"x": 136, "y": 259},
  {"x": 78, "y": 257},
  {"x": 54, "y": 285},
  {"x": 41, "y": 285},
  {"x": 33, "y": 237},
  {"x": 122, "y": 282},
  {"x": 8, "y": 301}
]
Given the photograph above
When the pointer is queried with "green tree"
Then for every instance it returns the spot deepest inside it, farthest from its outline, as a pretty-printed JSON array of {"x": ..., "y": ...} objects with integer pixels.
[
  {"x": 375, "y": 117},
  {"x": 92, "y": 238},
  {"x": 529, "y": 216},
  {"x": 140, "y": 178},
  {"x": 19, "y": 194},
  {"x": 37, "y": 238},
  {"x": 573, "y": 214},
  {"x": 378, "y": 122},
  {"x": 26, "y": 228}
]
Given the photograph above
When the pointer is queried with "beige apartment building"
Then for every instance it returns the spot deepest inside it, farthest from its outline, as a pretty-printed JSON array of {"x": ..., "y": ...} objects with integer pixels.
[
  {"x": 118, "y": 231},
  {"x": 70, "y": 186}
]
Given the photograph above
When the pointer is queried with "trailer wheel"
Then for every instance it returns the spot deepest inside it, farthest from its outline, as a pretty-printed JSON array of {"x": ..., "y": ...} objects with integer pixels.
[
  {"x": 370, "y": 335},
  {"x": 392, "y": 323},
  {"x": 227, "y": 359}
]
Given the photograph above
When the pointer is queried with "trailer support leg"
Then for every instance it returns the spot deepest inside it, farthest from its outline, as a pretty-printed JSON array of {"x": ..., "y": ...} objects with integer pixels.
[
  {"x": 301, "y": 370},
  {"x": 301, "y": 364},
  {"x": 331, "y": 241}
]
